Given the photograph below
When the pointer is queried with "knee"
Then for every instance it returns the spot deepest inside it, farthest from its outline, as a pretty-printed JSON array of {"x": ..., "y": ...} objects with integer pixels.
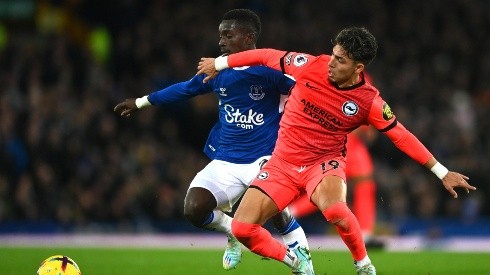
[
  {"x": 244, "y": 231},
  {"x": 196, "y": 213},
  {"x": 337, "y": 212},
  {"x": 198, "y": 205},
  {"x": 282, "y": 220}
]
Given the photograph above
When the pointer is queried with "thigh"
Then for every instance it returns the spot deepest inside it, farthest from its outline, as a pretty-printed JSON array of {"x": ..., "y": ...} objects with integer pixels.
[
  {"x": 326, "y": 170},
  {"x": 255, "y": 207},
  {"x": 330, "y": 190},
  {"x": 279, "y": 181},
  {"x": 220, "y": 179}
]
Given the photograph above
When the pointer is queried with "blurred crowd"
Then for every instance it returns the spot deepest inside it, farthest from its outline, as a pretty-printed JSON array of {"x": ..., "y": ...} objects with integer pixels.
[{"x": 66, "y": 157}]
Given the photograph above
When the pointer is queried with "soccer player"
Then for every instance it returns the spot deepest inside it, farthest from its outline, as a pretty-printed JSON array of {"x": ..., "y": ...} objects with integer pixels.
[
  {"x": 330, "y": 99},
  {"x": 251, "y": 102}
]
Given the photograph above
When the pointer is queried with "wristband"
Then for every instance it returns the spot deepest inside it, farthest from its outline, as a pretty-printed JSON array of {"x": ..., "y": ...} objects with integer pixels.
[
  {"x": 142, "y": 102},
  {"x": 221, "y": 63},
  {"x": 439, "y": 170}
]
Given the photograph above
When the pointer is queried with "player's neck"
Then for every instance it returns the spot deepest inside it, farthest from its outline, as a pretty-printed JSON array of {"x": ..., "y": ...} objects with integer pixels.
[{"x": 351, "y": 82}]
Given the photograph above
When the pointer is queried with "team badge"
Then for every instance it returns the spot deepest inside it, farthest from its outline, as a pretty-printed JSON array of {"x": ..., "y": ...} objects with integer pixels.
[
  {"x": 387, "y": 113},
  {"x": 300, "y": 60},
  {"x": 222, "y": 92},
  {"x": 263, "y": 175},
  {"x": 256, "y": 92},
  {"x": 350, "y": 108}
]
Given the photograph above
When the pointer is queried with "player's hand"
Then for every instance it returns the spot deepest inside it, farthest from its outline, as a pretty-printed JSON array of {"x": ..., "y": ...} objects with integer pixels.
[
  {"x": 126, "y": 108},
  {"x": 206, "y": 66},
  {"x": 453, "y": 180}
]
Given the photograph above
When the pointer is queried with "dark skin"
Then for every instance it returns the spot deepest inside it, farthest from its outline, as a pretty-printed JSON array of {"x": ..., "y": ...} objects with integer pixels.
[{"x": 200, "y": 202}]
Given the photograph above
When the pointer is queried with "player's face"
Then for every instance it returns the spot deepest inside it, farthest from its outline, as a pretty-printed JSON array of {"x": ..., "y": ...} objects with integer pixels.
[
  {"x": 343, "y": 70},
  {"x": 232, "y": 39}
]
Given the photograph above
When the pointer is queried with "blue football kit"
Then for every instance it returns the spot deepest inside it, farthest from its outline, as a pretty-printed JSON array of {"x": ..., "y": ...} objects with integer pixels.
[{"x": 251, "y": 102}]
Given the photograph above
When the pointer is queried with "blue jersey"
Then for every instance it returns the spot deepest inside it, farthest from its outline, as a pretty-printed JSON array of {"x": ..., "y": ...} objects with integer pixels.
[{"x": 251, "y": 102}]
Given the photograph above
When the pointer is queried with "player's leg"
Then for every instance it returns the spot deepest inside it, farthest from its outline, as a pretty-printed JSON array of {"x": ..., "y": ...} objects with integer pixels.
[
  {"x": 330, "y": 196},
  {"x": 199, "y": 204},
  {"x": 269, "y": 193},
  {"x": 200, "y": 213},
  {"x": 288, "y": 227},
  {"x": 254, "y": 210},
  {"x": 206, "y": 198},
  {"x": 290, "y": 230},
  {"x": 214, "y": 190}
]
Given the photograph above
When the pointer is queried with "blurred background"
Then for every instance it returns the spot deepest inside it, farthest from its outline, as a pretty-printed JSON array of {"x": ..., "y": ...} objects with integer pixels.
[{"x": 68, "y": 163}]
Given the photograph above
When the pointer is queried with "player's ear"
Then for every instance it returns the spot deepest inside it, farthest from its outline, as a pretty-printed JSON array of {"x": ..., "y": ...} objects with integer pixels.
[{"x": 359, "y": 67}]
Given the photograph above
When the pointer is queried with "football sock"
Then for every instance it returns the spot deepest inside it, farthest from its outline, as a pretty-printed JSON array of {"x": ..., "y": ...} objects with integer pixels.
[
  {"x": 289, "y": 258},
  {"x": 294, "y": 235},
  {"x": 218, "y": 221},
  {"x": 364, "y": 206},
  {"x": 258, "y": 240},
  {"x": 302, "y": 207},
  {"x": 347, "y": 225}
]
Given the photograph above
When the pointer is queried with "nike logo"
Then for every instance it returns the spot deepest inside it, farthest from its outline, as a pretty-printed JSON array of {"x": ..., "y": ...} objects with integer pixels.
[
  {"x": 312, "y": 87},
  {"x": 300, "y": 169}
]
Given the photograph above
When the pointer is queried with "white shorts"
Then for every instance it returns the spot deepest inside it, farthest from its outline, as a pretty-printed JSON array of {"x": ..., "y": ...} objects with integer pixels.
[{"x": 227, "y": 181}]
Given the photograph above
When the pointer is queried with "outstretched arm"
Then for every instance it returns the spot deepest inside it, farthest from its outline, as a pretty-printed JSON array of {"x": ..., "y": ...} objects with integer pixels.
[
  {"x": 173, "y": 93},
  {"x": 410, "y": 145},
  {"x": 267, "y": 57},
  {"x": 383, "y": 119}
]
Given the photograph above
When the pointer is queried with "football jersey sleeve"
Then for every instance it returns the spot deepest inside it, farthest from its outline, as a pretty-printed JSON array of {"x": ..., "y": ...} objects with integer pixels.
[
  {"x": 180, "y": 91},
  {"x": 266, "y": 57},
  {"x": 293, "y": 63},
  {"x": 381, "y": 116},
  {"x": 383, "y": 119}
]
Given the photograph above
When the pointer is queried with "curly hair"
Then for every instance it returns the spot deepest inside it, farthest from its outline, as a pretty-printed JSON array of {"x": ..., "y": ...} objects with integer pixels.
[
  {"x": 359, "y": 44},
  {"x": 246, "y": 19}
]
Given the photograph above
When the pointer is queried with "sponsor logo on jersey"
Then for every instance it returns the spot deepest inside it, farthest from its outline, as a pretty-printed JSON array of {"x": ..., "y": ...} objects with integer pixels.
[
  {"x": 350, "y": 108},
  {"x": 387, "y": 113},
  {"x": 263, "y": 175},
  {"x": 308, "y": 85},
  {"x": 300, "y": 60},
  {"x": 321, "y": 116},
  {"x": 222, "y": 92},
  {"x": 256, "y": 92},
  {"x": 243, "y": 120}
]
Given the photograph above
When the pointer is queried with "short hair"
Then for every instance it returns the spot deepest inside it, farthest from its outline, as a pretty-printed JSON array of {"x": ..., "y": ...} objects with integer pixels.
[
  {"x": 359, "y": 44},
  {"x": 246, "y": 19}
]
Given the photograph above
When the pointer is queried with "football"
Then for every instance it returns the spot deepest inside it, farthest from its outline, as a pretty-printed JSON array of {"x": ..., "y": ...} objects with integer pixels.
[{"x": 58, "y": 265}]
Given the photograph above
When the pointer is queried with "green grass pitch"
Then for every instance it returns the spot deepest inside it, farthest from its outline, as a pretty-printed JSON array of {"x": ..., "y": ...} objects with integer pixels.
[{"x": 101, "y": 261}]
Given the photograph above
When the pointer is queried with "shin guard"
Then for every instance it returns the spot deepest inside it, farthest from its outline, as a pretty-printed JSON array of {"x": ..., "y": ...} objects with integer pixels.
[
  {"x": 258, "y": 240},
  {"x": 347, "y": 225}
]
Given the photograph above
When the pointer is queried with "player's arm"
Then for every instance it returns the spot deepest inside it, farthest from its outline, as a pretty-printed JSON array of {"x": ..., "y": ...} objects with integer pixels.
[
  {"x": 173, "y": 93},
  {"x": 383, "y": 119},
  {"x": 268, "y": 57}
]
